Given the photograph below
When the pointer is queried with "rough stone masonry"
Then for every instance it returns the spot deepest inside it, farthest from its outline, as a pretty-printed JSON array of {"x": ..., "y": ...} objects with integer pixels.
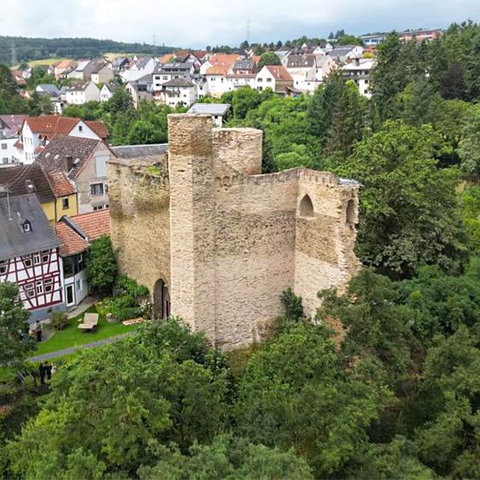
[{"x": 216, "y": 241}]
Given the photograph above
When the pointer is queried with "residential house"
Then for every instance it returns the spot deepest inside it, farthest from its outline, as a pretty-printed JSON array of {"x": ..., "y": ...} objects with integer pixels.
[
  {"x": 359, "y": 72},
  {"x": 346, "y": 53},
  {"x": 80, "y": 72},
  {"x": 9, "y": 134},
  {"x": 36, "y": 132},
  {"x": 138, "y": 69},
  {"x": 54, "y": 191},
  {"x": 121, "y": 64},
  {"x": 102, "y": 72},
  {"x": 84, "y": 162},
  {"x": 275, "y": 77},
  {"x": 303, "y": 69},
  {"x": 216, "y": 70},
  {"x": 140, "y": 89},
  {"x": 75, "y": 234},
  {"x": 48, "y": 89},
  {"x": 107, "y": 91},
  {"x": 80, "y": 93},
  {"x": 218, "y": 111},
  {"x": 178, "y": 91},
  {"x": 325, "y": 65},
  {"x": 62, "y": 68},
  {"x": 29, "y": 255}
]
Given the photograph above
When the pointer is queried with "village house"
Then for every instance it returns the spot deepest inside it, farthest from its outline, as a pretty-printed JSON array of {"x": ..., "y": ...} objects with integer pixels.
[
  {"x": 29, "y": 254},
  {"x": 10, "y": 126},
  {"x": 275, "y": 77},
  {"x": 80, "y": 93},
  {"x": 83, "y": 160},
  {"x": 54, "y": 191},
  {"x": 358, "y": 71},
  {"x": 140, "y": 89},
  {"x": 75, "y": 234},
  {"x": 63, "y": 67},
  {"x": 36, "y": 132},
  {"x": 177, "y": 92},
  {"x": 107, "y": 91}
]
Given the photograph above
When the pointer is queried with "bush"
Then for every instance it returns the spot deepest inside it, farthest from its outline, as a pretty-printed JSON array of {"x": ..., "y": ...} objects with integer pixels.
[
  {"x": 127, "y": 286},
  {"x": 59, "y": 320},
  {"x": 292, "y": 304}
]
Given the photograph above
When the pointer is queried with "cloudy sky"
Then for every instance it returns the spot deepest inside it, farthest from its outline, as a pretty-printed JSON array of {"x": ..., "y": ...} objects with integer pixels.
[{"x": 197, "y": 23}]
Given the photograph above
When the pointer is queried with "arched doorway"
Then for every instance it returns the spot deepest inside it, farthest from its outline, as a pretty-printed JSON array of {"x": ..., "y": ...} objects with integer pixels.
[{"x": 161, "y": 300}]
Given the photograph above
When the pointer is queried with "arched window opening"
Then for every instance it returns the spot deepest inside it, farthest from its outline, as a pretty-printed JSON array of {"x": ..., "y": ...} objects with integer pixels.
[
  {"x": 306, "y": 207},
  {"x": 351, "y": 217}
]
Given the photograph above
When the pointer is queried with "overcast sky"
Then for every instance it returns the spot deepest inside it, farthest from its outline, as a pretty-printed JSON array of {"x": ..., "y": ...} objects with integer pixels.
[{"x": 197, "y": 23}]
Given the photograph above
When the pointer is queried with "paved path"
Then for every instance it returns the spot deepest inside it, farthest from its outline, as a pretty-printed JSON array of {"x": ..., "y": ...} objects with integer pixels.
[{"x": 68, "y": 351}]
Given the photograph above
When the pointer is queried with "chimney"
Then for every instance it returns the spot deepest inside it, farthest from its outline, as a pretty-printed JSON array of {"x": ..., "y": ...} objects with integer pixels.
[{"x": 68, "y": 163}]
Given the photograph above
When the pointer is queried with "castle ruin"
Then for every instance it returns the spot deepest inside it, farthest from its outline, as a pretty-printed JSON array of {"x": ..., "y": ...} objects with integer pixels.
[{"x": 216, "y": 241}]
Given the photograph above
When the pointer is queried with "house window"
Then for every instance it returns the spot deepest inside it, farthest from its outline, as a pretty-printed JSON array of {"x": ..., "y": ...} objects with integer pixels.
[
  {"x": 96, "y": 189},
  {"x": 5, "y": 160},
  {"x": 37, "y": 259},
  {"x": 4, "y": 146},
  {"x": 3, "y": 267},
  {"x": 48, "y": 285},
  {"x": 27, "y": 260},
  {"x": 81, "y": 263},
  {"x": 269, "y": 79},
  {"x": 29, "y": 290},
  {"x": 259, "y": 80},
  {"x": 45, "y": 256},
  {"x": 39, "y": 286},
  {"x": 65, "y": 203}
]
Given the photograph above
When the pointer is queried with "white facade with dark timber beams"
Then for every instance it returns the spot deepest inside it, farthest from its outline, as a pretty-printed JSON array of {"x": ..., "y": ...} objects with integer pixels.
[{"x": 29, "y": 255}]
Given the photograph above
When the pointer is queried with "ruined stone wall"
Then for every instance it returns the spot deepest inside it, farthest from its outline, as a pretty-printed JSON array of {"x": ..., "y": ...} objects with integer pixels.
[
  {"x": 325, "y": 238},
  {"x": 139, "y": 218}
]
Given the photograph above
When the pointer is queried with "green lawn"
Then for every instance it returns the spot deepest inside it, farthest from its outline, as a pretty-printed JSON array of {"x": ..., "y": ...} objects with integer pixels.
[{"x": 73, "y": 337}]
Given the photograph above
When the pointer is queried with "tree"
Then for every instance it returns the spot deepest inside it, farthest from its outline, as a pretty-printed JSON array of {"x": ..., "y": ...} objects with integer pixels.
[
  {"x": 408, "y": 206},
  {"x": 15, "y": 342},
  {"x": 297, "y": 393},
  {"x": 268, "y": 58},
  {"x": 227, "y": 458},
  {"x": 101, "y": 265},
  {"x": 112, "y": 408},
  {"x": 469, "y": 145}
]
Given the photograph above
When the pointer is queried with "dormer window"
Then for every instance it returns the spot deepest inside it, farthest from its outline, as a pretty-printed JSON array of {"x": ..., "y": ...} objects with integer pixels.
[{"x": 27, "y": 226}]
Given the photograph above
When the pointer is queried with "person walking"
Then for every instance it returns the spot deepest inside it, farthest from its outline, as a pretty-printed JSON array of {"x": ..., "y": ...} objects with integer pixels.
[
  {"x": 48, "y": 370},
  {"x": 41, "y": 371}
]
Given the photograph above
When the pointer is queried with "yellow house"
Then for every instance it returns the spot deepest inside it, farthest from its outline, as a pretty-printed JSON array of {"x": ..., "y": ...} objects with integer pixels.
[{"x": 55, "y": 193}]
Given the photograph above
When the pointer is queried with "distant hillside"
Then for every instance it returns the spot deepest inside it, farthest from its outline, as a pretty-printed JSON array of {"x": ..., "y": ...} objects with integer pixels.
[{"x": 27, "y": 49}]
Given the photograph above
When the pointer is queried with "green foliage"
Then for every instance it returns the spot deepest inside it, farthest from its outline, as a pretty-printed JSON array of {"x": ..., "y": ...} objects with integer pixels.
[
  {"x": 470, "y": 208},
  {"x": 227, "y": 458},
  {"x": 408, "y": 206},
  {"x": 469, "y": 145},
  {"x": 59, "y": 320},
  {"x": 15, "y": 342},
  {"x": 292, "y": 305},
  {"x": 111, "y": 407},
  {"x": 296, "y": 392},
  {"x": 268, "y": 58},
  {"x": 101, "y": 265},
  {"x": 125, "y": 285}
]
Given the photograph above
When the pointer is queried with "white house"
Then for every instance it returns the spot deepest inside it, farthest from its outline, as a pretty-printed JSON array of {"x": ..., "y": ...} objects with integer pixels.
[
  {"x": 10, "y": 126},
  {"x": 177, "y": 92},
  {"x": 218, "y": 111},
  {"x": 81, "y": 93},
  {"x": 275, "y": 77},
  {"x": 106, "y": 92},
  {"x": 138, "y": 69},
  {"x": 36, "y": 133},
  {"x": 359, "y": 72}
]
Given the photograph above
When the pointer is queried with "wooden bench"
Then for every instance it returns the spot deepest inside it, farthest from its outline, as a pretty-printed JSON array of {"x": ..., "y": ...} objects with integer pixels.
[{"x": 90, "y": 321}]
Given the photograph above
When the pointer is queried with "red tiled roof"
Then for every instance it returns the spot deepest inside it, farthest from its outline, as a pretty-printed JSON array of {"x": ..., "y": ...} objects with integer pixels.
[
  {"x": 98, "y": 127},
  {"x": 166, "y": 58},
  {"x": 279, "y": 72},
  {"x": 59, "y": 183},
  {"x": 66, "y": 63},
  {"x": 218, "y": 70},
  {"x": 71, "y": 242},
  {"x": 93, "y": 224}
]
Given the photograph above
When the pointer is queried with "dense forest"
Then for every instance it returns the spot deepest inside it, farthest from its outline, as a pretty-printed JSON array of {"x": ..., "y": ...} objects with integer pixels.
[
  {"x": 21, "y": 49},
  {"x": 384, "y": 384}
]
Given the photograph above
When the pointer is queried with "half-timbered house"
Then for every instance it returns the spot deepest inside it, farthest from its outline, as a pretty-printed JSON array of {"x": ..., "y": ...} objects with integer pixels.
[{"x": 29, "y": 254}]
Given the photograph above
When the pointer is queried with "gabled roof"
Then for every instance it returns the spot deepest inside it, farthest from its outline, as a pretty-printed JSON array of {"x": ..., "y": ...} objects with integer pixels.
[
  {"x": 14, "y": 241},
  {"x": 50, "y": 125},
  {"x": 63, "y": 150},
  {"x": 278, "y": 72},
  {"x": 76, "y": 232},
  {"x": 25, "y": 179},
  {"x": 300, "y": 61},
  {"x": 12, "y": 124},
  {"x": 63, "y": 64},
  {"x": 244, "y": 64},
  {"x": 210, "y": 108},
  {"x": 59, "y": 183},
  {"x": 178, "y": 82},
  {"x": 77, "y": 87}
]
